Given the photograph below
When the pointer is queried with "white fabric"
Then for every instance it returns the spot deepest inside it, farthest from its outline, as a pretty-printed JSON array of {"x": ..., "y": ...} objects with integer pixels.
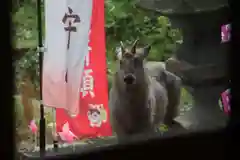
[{"x": 57, "y": 59}]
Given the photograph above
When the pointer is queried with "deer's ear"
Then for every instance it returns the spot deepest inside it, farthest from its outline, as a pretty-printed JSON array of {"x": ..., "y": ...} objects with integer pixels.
[
  {"x": 118, "y": 53},
  {"x": 146, "y": 51}
]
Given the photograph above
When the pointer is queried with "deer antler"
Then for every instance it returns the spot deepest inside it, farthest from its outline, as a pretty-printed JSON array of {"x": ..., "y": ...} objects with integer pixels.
[
  {"x": 122, "y": 46},
  {"x": 133, "y": 50}
]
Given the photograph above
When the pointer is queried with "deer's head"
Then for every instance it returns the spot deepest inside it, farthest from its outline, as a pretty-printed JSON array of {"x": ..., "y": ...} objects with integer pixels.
[{"x": 130, "y": 63}]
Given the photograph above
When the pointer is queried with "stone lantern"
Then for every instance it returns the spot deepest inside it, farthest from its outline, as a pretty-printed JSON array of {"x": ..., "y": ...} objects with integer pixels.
[{"x": 201, "y": 60}]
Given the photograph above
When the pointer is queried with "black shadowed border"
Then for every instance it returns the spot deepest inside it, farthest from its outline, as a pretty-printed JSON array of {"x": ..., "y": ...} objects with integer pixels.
[{"x": 220, "y": 144}]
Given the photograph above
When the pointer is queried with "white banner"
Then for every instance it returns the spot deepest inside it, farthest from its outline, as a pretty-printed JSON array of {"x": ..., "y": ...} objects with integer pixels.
[{"x": 67, "y": 28}]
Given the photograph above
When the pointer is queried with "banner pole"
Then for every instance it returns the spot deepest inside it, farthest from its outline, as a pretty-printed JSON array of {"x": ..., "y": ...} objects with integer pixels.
[
  {"x": 55, "y": 140},
  {"x": 41, "y": 51}
]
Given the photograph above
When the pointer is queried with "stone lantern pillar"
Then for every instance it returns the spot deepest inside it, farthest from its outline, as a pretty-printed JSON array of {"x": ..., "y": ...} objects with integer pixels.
[{"x": 201, "y": 60}]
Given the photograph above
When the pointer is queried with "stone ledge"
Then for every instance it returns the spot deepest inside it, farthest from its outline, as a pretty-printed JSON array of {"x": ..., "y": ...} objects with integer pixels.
[
  {"x": 177, "y": 7},
  {"x": 195, "y": 75}
]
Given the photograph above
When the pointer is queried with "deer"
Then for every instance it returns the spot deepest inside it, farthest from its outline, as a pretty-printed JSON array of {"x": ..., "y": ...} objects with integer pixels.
[
  {"x": 137, "y": 101},
  {"x": 173, "y": 84}
]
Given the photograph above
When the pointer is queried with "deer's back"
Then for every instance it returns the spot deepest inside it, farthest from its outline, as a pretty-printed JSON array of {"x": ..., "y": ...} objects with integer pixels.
[
  {"x": 159, "y": 101},
  {"x": 154, "y": 69},
  {"x": 171, "y": 83}
]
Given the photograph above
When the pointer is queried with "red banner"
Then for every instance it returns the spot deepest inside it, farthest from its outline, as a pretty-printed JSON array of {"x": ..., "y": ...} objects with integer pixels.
[{"x": 93, "y": 118}]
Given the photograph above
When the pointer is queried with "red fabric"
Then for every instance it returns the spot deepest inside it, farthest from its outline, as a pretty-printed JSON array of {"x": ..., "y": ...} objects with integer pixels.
[{"x": 80, "y": 125}]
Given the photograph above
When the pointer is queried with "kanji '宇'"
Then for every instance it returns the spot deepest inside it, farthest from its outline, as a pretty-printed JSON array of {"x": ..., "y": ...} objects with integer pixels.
[{"x": 71, "y": 19}]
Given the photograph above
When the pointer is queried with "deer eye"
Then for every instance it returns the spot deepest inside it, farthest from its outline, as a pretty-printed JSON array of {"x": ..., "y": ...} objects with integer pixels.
[
  {"x": 121, "y": 62},
  {"x": 137, "y": 62}
]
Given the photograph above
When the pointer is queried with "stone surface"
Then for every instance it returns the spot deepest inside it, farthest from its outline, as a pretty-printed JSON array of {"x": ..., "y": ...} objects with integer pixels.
[
  {"x": 202, "y": 50},
  {"x": 181, "y": 6}
]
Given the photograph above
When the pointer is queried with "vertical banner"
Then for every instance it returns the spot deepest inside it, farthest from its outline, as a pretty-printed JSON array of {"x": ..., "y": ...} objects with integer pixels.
[
  {"x": 93, "y": 118},
  {"x": 67, "y": 26},
  {"x": 54, "y": 59}
]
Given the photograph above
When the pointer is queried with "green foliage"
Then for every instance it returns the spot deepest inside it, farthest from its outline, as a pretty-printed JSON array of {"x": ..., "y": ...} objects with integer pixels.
[
  {"x": 186, "y": 101},
  {"x": 163, "y": 128},
  {"x": 28, "y": 66},
  {"x": 24, "y": 21},
  {"x": 26, "y": 36},
  {"x": 109, "y": 82},
  {"x": 125, "y": 22},
  {"x": 18, "y": 107}
]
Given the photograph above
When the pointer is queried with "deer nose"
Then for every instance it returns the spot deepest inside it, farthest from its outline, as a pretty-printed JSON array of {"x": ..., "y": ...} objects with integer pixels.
[{"x": 129, "y": 79}]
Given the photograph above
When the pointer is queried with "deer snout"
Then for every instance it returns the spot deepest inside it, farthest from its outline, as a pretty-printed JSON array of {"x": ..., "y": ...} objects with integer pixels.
[{"x": 129, "y": 79}]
